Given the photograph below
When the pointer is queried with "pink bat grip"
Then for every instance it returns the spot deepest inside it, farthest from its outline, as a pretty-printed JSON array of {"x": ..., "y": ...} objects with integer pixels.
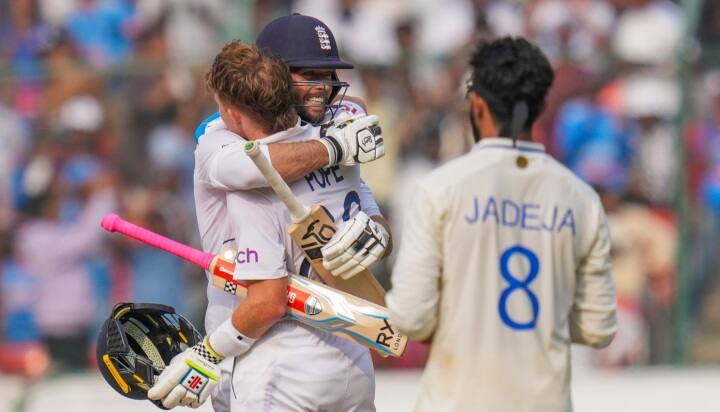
[{"x": 114, "y": 223}]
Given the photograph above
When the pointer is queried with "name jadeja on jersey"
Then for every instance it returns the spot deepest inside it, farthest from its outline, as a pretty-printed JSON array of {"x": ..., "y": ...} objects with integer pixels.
[{"x": 522, "y": 215}]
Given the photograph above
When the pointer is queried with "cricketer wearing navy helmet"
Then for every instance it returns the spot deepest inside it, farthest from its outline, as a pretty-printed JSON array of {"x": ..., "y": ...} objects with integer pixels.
[{"x": 308, "y": 47}]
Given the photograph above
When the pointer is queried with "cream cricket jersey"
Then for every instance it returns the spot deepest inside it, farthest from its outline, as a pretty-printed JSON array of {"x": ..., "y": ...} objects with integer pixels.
[
  {"x": 221, "y": 166},
  {"x": 504, "y": 260}
]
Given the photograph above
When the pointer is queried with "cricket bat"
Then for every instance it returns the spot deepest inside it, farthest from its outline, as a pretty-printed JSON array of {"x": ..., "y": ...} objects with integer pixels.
[
  {"x": 309, "y": 302},
  {"x": 311, "y": 229}
]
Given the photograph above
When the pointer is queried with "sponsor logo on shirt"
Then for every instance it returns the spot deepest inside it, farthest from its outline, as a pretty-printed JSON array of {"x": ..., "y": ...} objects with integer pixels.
[{"x": 247, "y": 256}]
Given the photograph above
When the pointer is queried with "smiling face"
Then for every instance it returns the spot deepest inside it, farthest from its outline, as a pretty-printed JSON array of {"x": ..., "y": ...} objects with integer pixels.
[{"x": 313, "y": 98}]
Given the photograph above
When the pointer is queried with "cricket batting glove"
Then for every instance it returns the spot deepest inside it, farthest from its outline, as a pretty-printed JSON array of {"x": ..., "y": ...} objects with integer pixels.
[
  {"x": 193, "y": 374},
  {"x": 189, "y": 379},
  {"x": 353, "y": 140},
  {"x": 355, "y": 247}
]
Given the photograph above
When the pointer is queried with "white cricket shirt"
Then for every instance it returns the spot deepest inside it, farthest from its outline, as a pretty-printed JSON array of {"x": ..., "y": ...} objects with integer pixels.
[
  {"x": 221, "y": 166},
  {"x": 231, "y": 203},
  {"x": 504, "y": 265}
]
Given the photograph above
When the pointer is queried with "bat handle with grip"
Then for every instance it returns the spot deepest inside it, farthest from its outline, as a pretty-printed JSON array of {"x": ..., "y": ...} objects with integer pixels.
[
  {"x": 297, "y": 210},
  {"x": 114, "y": 223}
]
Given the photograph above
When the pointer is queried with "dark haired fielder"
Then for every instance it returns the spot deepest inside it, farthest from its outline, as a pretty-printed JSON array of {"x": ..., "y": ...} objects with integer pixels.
[{"x": 505, "y": 258}]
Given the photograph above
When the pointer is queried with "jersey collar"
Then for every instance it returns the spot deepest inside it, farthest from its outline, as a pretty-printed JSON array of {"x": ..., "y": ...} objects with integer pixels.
[{"x": 505, "y": 143}]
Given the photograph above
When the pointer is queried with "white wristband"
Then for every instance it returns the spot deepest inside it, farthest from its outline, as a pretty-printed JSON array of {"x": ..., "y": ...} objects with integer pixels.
[{"x": 228, "y": 341}]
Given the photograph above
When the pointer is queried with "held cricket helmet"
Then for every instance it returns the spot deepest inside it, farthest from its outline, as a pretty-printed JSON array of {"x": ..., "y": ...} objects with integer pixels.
[
  {"x": 137, "y": 342},
  {"x": 305, "y": 42}
]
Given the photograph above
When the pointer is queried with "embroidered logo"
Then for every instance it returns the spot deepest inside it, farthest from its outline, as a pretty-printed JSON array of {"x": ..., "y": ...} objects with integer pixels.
[{"x": 323, "y": 38}]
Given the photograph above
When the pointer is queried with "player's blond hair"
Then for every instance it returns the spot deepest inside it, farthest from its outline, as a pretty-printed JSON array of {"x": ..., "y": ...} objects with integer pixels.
[{"x": 261, "y": 85}]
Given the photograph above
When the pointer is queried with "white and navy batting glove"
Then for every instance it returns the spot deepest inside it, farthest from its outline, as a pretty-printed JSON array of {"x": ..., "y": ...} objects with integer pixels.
[
  {"x": 355, "y": 247},
  {"x": 353, "y": 140},
  {"x": 189, "y": 379}
]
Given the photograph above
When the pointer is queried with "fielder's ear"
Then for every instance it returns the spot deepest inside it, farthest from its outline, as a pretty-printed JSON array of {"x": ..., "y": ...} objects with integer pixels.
[
  {"x": 478, "y": 107},
  {"x": 543, "y": 107}
]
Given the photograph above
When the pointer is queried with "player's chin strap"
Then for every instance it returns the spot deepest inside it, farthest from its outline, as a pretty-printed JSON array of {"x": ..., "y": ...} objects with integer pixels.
[{"x": 517, "y": 121}]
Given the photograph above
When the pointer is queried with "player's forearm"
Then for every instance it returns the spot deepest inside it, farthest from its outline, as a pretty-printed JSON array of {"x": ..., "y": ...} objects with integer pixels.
[
  {"x": 265, "y": 304},
  {"x": 230, "y": 169},
  {"x": 295, "y": 160}
]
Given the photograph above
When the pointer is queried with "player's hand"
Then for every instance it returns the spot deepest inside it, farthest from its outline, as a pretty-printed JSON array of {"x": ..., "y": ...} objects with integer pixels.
[
  {"x": 356, "y": 246},
  {"x": 188, "y": 380},
  {"x": 353, "y": 140}
]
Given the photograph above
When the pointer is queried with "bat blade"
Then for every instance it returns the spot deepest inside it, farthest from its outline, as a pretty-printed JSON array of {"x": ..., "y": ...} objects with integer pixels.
[
  {"x": 309, "y": 302},
  {"x": 311, "y": 235},
  {"x": 311, "y": 230},
  {"x": 321, "y": 307}
]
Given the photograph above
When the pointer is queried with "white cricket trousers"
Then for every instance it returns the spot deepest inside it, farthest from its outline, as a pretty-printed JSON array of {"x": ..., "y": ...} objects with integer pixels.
[{"x": 297, "y": 368}]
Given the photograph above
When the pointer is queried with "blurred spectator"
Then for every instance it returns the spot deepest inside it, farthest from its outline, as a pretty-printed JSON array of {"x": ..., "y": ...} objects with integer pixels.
[
  {"x": 594, "y": 143},
  {"x": 17, "y": 288},
  {"x": 100, "y": 29},
  {"x": 21, "y": 352},
  {"x": 66, "y": 74},
  {"x": 22, "y": 36},
  {"x": 648, "y": 32},
  {"x": 652, "y": 101},
  {"x": 14, "y": 141},
  {"x": 643, "y": 258},
  {"x": 644, "y": 242},
  {"x": 499, "y": 17},
  {"x": 154, "y": 275},
  {"x": 80, "y": 129},
  {"x": 157, "y": 87},
  {"x": 170, "y": 150},
  {"x": 193, "y": 30},
  {"x": 709, "y": 28},
  {"x": 576, "y": 30},
  {"x": 704, "y": 156},
  {"x": 55, "y": 252},
  {"x": 56, "y": 12}
]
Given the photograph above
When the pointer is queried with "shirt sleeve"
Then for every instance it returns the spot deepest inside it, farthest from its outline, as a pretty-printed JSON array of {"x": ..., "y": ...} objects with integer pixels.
[
  {"x": 229, "y": 168},
  {"x": 258, "y": 237},
  {"x": 593, "y": 319},
  {"x": 414, "y": 298},
  {"x": 367, "y": 200}
]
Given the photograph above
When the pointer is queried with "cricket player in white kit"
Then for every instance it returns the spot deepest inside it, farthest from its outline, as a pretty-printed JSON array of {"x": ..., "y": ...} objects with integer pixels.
[
  {"x": 505, "y": 258},
  {"x": 281, "y": 375}
]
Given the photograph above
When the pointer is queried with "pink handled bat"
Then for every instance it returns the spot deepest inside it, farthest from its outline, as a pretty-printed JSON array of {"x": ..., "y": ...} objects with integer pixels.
[{"x": 309, "y": 302}]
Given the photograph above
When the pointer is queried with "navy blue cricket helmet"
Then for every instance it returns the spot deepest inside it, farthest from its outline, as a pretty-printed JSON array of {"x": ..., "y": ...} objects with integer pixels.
[{"x": 305, "y": 42}]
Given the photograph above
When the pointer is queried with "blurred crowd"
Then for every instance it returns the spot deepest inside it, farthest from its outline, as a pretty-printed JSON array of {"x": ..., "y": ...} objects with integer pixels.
[{"x": 99, "y": 100}]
